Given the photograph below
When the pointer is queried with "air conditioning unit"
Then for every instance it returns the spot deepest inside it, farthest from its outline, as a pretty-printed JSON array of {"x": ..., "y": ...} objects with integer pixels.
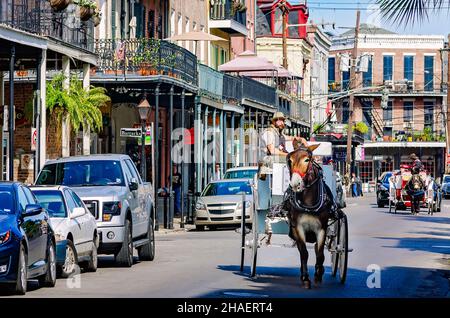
[
  {"x": 389, "y": 84},
  {"x": 388, "y": 124}
]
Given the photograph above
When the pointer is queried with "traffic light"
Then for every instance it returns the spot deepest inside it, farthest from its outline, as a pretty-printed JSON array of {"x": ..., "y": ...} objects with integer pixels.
[{"x": 385, "y": 98}]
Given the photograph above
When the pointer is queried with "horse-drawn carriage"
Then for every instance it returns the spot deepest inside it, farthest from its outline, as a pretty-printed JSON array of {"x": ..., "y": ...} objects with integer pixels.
[
  {"x": 272, "y": 217},
  {"x": 412, "y": 191}
]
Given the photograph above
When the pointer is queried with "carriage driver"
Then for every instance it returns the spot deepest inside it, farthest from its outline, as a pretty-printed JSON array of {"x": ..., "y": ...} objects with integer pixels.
[
  {"x": 275, "y": 140},
  {"x": 417, "y": 165}
]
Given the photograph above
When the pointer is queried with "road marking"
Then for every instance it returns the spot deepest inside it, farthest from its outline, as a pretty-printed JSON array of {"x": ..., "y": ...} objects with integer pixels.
[{"x": 238, "y": 294}]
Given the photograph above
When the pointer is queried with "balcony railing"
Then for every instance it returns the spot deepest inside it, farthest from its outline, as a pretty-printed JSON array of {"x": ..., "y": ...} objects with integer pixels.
[
  {"x": 259, "y": 92},
  {"x": 210, "y": 82},
  {"x": 37, "y": 17},
  {"x": 232, "y": 88},
  {"x": 225, "y": 10},
  {"x": 146, "y": 57}
]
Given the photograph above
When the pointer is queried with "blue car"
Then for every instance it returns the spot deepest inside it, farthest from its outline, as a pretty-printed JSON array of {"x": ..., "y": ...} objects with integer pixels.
[{"x": 27, "y": 242}]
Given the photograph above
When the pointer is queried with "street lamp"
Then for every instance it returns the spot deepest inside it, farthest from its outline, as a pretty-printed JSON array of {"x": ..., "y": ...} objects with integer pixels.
[{"x": 143, "y": 109}]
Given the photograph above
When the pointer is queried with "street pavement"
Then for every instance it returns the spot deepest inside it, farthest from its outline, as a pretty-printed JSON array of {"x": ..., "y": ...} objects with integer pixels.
[{"x": 412, "y": 252}]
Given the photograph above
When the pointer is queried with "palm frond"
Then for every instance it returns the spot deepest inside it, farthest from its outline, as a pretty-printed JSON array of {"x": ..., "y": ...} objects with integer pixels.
[{"x": 404, "y": 12}]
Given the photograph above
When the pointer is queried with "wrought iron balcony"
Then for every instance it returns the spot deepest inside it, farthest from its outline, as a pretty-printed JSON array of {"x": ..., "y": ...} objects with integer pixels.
[
  {"x": 228, "y": 15},
  {"x": 258, "y": 92},
  {"x": 146, "y": 57},
  {"x": 210, "y": 82},
  {"x": 37, "y": 17},
  {"x": 232, "y": 88}
]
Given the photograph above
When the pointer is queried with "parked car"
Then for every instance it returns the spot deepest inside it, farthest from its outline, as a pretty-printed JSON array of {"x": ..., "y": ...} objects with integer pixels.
[
  {"x": 340, "y": 192},
  {"x": 445, "y": 186},
  {"x": 241, "y": 173},
  {"x": 27, "y": 241},
  {"x": 74, "y": 226},
  {"x": 221, "y": 203},
  {"x": 383, "y": 189},
  {"x": 114, "y": 192}
]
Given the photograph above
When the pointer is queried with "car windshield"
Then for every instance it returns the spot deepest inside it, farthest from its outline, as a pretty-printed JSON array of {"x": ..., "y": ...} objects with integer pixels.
[
  {"x": 82, "y": 174},
  {"x": 386, "y": 177},
  {"x": 227, "y": 188},
  {"x": 447, "y": 179},
  {"x": 6, "y": 201},
  {"x": 240, "y": 174},
  {"x": 52, "y": 201}
]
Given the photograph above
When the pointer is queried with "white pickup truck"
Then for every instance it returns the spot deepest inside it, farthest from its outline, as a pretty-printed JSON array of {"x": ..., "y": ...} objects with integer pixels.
[{"x": 114, "y": 192}]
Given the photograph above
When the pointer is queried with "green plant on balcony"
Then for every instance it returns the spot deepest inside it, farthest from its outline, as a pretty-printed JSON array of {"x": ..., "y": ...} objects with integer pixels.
[
  {"x": 87, "y": 8},
  {"x": 59, "y": 5},
  {"x": 147, "y": 56},
  {"x": 79, "y": 106},
  {"x": 359, "y": 127}
]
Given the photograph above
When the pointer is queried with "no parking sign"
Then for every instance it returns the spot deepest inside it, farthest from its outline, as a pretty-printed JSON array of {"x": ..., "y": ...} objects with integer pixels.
[{"x": 33, "y": 139}]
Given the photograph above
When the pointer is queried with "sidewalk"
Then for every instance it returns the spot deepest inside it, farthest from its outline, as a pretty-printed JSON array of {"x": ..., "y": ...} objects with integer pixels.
[{"x": 176, "y": 228}]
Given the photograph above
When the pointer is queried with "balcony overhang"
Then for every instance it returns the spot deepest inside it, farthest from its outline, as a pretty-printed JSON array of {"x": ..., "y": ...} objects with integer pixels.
[
  {"x": 72, "y": 51},
  {"x": 231, "y": 27},
  {"x": 260, "y": 106},
  {"x": 22, "y": 38},
  {"x": 405, "y": 144}
]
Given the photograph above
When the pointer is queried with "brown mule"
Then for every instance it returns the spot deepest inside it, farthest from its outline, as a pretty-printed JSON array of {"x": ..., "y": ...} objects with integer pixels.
[{"x": 309, "y": 202}]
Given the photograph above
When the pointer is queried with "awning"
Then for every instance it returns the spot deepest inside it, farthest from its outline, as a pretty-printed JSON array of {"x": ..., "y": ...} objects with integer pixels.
[{"x": 248, "y": 61}]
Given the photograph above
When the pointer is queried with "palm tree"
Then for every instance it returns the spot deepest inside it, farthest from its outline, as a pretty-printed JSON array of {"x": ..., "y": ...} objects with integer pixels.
[{"x": 409, "y": 11}]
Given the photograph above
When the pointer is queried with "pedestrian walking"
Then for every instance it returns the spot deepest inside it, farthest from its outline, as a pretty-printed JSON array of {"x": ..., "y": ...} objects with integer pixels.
[{"x": 176, "y": 187}]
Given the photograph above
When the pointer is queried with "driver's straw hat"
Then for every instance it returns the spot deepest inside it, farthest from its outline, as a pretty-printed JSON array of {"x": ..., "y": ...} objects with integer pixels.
[{"x": 278, "y": 115}]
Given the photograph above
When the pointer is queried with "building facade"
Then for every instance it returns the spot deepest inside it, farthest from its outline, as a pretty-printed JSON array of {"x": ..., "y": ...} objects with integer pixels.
[{"x": 409, "y": 68}]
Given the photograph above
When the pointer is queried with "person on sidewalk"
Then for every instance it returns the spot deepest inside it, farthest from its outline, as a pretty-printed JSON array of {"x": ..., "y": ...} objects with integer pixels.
[
  {"x": 217, "y": 175},
  {"x": 176, "y": 187},
  {"x": 354, "y": 185}
]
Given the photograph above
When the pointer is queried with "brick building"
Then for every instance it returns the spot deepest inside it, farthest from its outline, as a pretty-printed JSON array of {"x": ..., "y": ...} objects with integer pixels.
[{"x": 410, "y": 67}]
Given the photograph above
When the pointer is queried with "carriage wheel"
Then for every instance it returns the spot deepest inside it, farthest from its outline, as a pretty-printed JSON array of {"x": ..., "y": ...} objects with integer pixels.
[
  {"x": 343, "y": 249},
  {"x": 334, "y": 247},
  {"x": 254, "y": 243}
]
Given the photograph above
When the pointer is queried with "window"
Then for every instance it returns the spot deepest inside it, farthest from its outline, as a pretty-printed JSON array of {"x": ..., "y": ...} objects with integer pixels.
[
  {"x": 429, "y": 73},
  {"x": 387, "y": 113},
  {"x": 133, "y": 170},
  {"x": 180, "y": 24},
  {"x": 186, "y": 29},
  {"x": 151, "y": 24},
  {"x": 408, "y": 111},
  {"x": 409, "y": 67},
  {"x": 345, "y": 80},
  {"x": 172, "y": 23},
  {"x": 23, "y": 201},
  {"x": 77, "y": 199},
  {"x": 367, "y": 76},
  {"x": 53, "y": 202},
  {"x": 278, "y": 22},
  {"x": 388, "y": 67},
  {"x": 202, "y": 46},
  {"x": 345, "y": 112},
  {"x": 70, "y": 201},
  {"x": 365, "y": 171},
  {"x": 428, "y": 108},
  {"x": 30, "y": 196},
  {"x": 82, "y": 173},
  {"x": 331, "y": 69}
]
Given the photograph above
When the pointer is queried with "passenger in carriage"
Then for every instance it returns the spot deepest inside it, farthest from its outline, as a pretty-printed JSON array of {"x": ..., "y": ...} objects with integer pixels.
[{"x": 417, "y": 165}]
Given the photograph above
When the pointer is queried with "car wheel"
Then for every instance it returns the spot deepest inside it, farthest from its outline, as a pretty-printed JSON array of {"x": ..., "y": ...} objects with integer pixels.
[
  {"x": 49, "y": 278},
  {"x": 125, "y": 256},
  {"x": 199, "y": 227},
  {"x": 147, "y": 252},
  {"x": 92, "y": 264},
  {"x": 71, "y": 261},
  {"x": 22, "y": 272}
]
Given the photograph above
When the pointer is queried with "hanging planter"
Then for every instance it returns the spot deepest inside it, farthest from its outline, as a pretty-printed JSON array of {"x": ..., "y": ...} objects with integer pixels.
[
  {"x": 87, "y": 9},
  {"x": 97, "y": 18},
  {"x": 59, "y": 5}
]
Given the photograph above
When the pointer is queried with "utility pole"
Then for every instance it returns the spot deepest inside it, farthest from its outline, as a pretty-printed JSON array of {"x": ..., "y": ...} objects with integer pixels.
[
  {"x": 447, "y": 128},
  {"x": 285, "y": 10},
  {"x": 353, "y": 84}
]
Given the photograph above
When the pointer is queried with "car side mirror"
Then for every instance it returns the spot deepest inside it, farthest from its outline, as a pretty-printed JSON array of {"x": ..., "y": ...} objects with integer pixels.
[
  {"x": 133, "y": 185},
  {"x": 77, "y": 212},
  {"x": 32, "y": 209}
]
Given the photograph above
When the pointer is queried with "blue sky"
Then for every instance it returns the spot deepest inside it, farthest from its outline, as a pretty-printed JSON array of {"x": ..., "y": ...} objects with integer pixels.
[{"x": 345, "y": 16}]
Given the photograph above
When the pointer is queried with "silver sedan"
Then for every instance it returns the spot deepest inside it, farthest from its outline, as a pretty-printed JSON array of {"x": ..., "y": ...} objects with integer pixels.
[{"x": 222, "y": 202}]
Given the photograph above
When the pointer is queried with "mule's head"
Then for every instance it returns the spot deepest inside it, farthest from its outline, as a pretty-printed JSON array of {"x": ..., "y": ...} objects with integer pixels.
[{"x": 300, "y": 163}]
